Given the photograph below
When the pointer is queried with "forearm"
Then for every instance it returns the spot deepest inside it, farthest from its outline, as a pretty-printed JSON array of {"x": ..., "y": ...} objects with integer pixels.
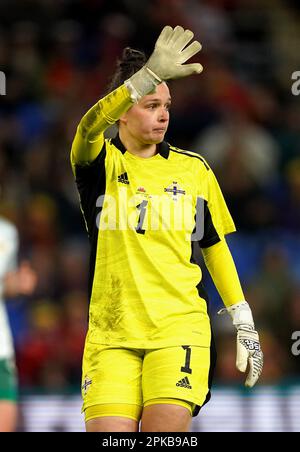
[
  {"x": 221, "y": 266},
  {"x": 89, "y": 136}
]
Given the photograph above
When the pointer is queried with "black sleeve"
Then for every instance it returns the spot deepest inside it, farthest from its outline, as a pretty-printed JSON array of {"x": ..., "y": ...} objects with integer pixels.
[
  {"x": 91, "y": 180},
  {"x": 210, "y": 235}
]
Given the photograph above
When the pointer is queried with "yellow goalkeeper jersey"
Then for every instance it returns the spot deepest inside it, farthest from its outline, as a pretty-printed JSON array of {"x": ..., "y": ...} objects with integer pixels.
[{"x": 142, "y": 215}]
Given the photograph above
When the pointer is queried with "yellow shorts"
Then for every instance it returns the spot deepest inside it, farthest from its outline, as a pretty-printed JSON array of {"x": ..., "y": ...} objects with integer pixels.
[{"x": 136, "y": 378}]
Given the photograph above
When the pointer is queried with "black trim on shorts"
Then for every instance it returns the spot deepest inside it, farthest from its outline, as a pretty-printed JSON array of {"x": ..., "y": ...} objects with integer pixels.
[{"x": 213, "y": 361}]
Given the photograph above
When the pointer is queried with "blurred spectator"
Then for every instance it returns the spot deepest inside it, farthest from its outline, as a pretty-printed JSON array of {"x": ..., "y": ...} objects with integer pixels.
[
  {"x": 245, "y": 158},
  {"x": 49, "y": 353},
  {"x": 239, "y": 138},
  {"x": 41, "y": 346},
  {"x": 270, "y": 289}
]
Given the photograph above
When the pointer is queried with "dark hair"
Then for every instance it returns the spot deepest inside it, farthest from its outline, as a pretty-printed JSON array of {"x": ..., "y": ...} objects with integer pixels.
[{"x": 131, "y": 61}]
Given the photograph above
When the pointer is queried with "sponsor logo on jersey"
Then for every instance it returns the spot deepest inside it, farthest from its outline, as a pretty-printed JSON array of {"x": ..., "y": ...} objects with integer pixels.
[
  {"x": 184, "y": 383},
  {"x": 123, "y": 178}
]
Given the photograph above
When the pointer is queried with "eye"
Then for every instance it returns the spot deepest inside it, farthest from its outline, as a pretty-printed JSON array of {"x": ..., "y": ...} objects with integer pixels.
[{"x": 168, "y": 107}]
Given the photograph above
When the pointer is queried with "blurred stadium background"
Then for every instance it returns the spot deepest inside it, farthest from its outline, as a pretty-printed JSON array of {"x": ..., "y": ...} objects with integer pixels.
[{"x": 240, "y": 114}]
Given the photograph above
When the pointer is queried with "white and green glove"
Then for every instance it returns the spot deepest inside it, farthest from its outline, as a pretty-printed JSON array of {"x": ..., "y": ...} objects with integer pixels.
[
  {"x": 248, "y": 345},
  {"x": 166, "y": 62}
]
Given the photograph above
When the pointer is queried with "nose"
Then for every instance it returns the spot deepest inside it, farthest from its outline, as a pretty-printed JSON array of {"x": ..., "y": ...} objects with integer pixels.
[{"x": 163, "y": 115}]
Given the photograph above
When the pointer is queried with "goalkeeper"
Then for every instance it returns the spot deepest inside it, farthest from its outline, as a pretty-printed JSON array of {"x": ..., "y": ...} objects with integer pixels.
[{"x": 149, "y": 356}]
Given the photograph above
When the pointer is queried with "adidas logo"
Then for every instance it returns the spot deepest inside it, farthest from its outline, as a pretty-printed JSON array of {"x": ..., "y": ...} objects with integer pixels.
[
  {"x": 184, "y": 383},
  {"x": 123, "y": 178}
]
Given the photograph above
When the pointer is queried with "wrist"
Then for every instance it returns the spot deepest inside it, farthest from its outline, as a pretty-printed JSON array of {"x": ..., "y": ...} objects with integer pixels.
[
  {"x": 142, "y": 83},
  {"x": 241, "y": 315}
]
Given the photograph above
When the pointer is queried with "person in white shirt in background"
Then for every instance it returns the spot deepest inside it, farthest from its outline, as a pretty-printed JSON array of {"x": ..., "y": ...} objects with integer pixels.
[{"x": 14, "y": 280}]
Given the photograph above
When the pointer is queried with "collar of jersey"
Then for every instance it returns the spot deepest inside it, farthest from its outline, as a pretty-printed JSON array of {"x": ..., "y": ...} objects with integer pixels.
[{"x": 163, "y": 147}]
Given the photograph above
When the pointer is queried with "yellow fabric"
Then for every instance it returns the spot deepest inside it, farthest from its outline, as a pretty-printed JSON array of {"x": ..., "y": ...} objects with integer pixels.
[
  {"x": 113, "y": 409},
  {"x": 221, "y": 266},
  {"x": 165, "y": 376},
  {"x": 111, "y": 375},
  {"x": 144, "y": 286},
  {"x": 89, "y": 137},
  {"x": 134, "y": 377},
  {"x": 130, "y": 411}
]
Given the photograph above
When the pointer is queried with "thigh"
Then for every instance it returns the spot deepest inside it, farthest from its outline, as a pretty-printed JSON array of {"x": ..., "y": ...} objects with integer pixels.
[
  {"x": 111, "y": 376},
  {"x": 180, "y": 373},
  {"x": 169, "y": 416},
  {"x": 111, "y": 424}
]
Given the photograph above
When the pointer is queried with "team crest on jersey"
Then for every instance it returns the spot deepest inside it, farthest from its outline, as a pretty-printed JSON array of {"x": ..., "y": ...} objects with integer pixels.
[
  {"x": 86, "y": 384},
  {"x": 174, "y": 190}
]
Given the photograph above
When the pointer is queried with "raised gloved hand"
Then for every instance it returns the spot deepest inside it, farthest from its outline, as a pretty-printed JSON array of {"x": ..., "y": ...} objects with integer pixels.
[
  {"x": 170, "y": 52},
  {"x": 248, "y": 345},
  {"x": 166, "y": 61}
]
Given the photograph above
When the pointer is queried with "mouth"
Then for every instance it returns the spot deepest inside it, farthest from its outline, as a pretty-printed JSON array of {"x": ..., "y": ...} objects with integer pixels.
[{"x": 160, "y": 130}]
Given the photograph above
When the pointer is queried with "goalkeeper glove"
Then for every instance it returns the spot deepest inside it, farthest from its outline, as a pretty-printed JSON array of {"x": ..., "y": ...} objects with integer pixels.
[
  {"x": 166, "y": 62},
  {"x": 248, "y": 346}
]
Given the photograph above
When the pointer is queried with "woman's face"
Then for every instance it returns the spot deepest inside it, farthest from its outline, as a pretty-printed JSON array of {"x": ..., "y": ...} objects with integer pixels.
[{"x": 148, "y": 120}]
